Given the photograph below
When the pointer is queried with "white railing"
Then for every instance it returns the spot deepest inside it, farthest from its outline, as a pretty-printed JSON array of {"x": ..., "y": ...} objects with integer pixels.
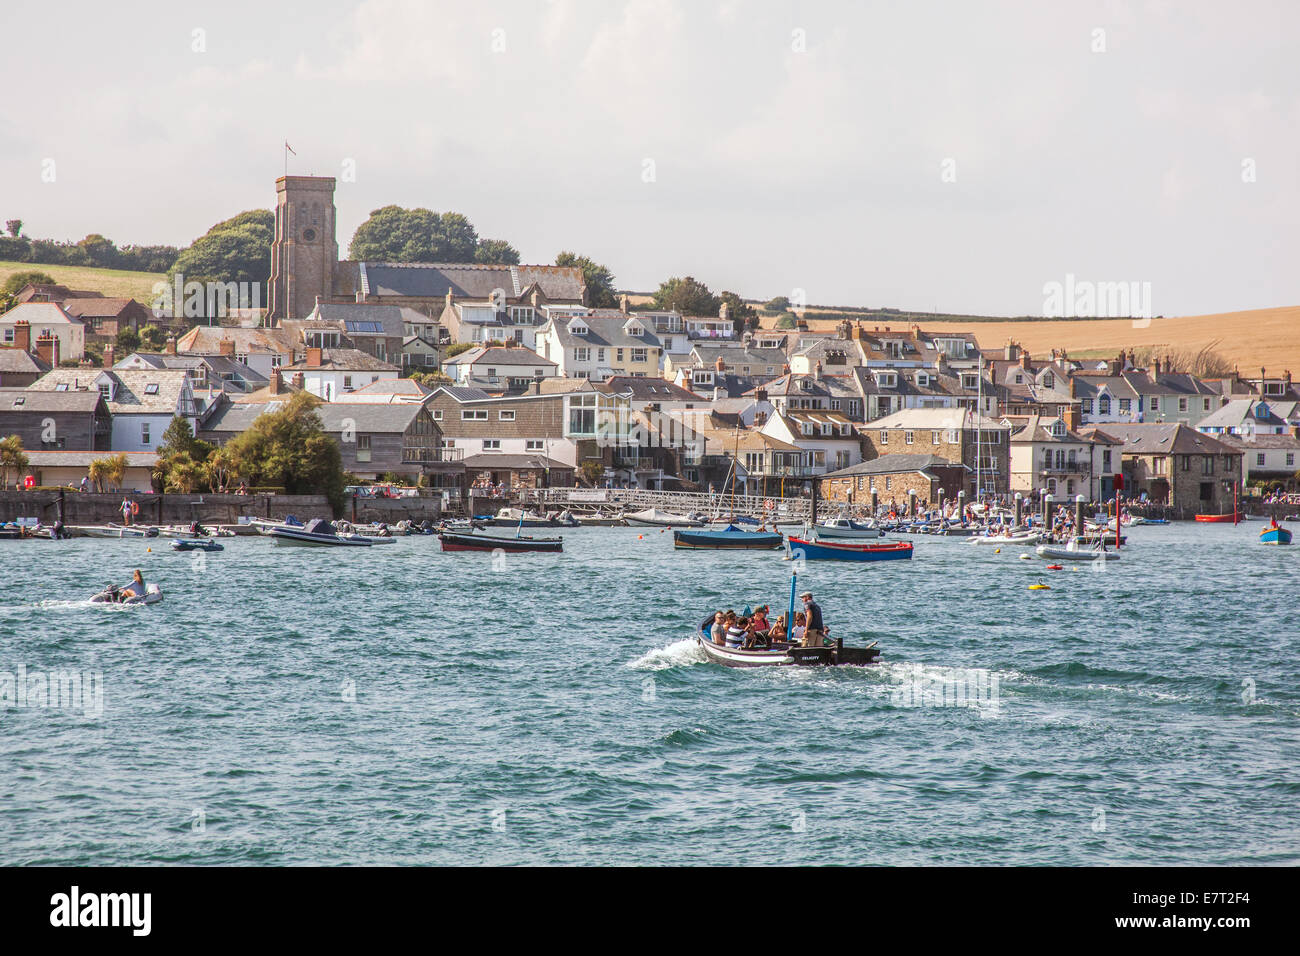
[{"x": 636, "y": 499}]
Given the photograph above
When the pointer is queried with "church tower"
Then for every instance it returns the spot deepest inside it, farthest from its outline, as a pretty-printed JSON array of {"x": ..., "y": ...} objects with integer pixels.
[{"x": 304, "y": 252}]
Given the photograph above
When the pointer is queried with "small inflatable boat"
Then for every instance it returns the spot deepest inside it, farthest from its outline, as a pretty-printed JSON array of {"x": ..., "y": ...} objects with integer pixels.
[{"x": 116, "y": 595}]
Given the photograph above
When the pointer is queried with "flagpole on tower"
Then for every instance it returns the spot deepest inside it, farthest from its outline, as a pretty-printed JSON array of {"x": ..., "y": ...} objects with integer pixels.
[{"x": 287, "y": 150}]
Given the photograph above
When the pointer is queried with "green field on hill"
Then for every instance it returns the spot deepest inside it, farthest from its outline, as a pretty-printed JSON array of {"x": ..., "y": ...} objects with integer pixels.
[{"x": 111, "y": 282}]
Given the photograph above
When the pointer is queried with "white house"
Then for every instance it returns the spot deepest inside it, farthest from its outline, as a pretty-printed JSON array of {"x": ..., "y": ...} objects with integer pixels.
[
  {"x": 599, "y": 346},
  {"x": 828, "y": 437},
  {"x": 498, "y": 366},
  {"x": 327, "y": 373},
  {"x": 142, "y": 402},
  {"x": 45, "y": 319}
]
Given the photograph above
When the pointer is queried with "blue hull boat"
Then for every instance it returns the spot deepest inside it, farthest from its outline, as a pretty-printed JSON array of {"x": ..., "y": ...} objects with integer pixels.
[
  {"x": 729, "y": 539},
  {"x": 846, "y": 551},
  {"x": 1275, "y": 536}
]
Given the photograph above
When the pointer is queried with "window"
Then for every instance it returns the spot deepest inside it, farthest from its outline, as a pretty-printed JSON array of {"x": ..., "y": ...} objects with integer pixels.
[
  {"x": 492, "y": 444},
  {"x": 582, "y": 414},
  {"x": 934, "y": 438},
  {"x": 1207, "y": 465},
  {"x": 534, "y": 444},
  {"x": 1103, "y": 405},
  {"x": 473, "y": 415},
  {"x": 506, "y": 415},
  {"x": 582, "y": 354},
  {"x": 144, "y": 433},
  {"x": 105, "y": 391},
  {"x": 1290, "y": 458},
  {"x": 600, "y": 355},
  {"x": 1087, "y": 406},
  {"x": 1125, "y": 404},
  {"x": 884, "y": 436},
  {"x": 492, "y": 374},
  {"x": 363, "y": 448},
  {"x": 1182, "y": 404},
  {"x": 1259, "y": 460},
  {"x": 889, "y": 483},
  {"x": 1205, "y": 403},
  {"x": 9, "y": 336},
  {"x": 437, "y": 414},
  {"x": 1155, "y": 403},
  {"x": 1049, "y": 380},
  {"x": 347, "y": 383},
  {"x": 1105, "y": 461},
  {"x": 908, "y": 438},
  {"x": 151, "y": 388},
  {"x": 638, "y": 355}
]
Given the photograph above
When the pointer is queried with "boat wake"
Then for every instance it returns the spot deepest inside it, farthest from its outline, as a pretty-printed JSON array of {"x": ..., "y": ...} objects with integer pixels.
[{"x": 682, "y": 653}]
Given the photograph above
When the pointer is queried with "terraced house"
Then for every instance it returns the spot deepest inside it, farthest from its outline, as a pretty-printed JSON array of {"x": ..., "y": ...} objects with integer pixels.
[
  {"x": 601, "y": 345},
  {"x": 140, "y": 402},
  {"x": 1176, "y": 465},
  {"x": 955, "y": 435}
]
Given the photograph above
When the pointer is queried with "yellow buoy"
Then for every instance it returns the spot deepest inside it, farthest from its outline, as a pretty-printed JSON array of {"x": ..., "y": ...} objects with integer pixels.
[{"x": 997, "y": 550}]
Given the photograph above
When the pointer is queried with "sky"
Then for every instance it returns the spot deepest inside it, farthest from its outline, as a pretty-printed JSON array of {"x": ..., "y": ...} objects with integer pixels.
[{"x": 956, "y": 156}]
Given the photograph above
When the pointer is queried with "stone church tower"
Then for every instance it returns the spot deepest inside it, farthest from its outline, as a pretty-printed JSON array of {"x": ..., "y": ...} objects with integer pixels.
[{"x": 304, "y": 253}]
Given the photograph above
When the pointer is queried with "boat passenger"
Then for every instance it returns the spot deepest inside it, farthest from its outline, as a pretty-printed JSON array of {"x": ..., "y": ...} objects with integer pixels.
[
  {"x": 777, "y": 633},
  {"x": 797, "y": 634},
  {"x": 135, "y": 588},
  {"x": 719, "y": 630},
  {"x": 736, "y": 632},
  {"x": 814, "y": 634}
]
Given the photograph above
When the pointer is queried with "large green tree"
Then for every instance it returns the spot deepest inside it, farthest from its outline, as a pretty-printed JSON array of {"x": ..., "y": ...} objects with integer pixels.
[
  {"x": 496, "y": 252},
  {"x": 598, "y": 278},
  {"x": 289, "y": 448},
  {"x": 235, "y": 250},
  {"x": 687, "y": 296},
  {"x": 394, "y": 234}
]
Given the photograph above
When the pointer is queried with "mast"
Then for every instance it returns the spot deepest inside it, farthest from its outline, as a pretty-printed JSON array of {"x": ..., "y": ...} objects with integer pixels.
[{"x": 979, "y": 400}]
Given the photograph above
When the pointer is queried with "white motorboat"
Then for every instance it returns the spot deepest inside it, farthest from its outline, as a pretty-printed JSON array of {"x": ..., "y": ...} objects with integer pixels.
[
  {"x": 317, "y": 533},
  {"x": 846, "y": 528},
  {"x": 1027, "y": 538},
  {"x": 111, "y": 530},
  {"x": 654, "y": 518},
  {"x": 1072, "y": 552}
]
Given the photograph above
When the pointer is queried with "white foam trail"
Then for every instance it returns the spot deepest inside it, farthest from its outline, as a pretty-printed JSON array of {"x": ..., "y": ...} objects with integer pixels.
[{"x": 677, "y": 654}]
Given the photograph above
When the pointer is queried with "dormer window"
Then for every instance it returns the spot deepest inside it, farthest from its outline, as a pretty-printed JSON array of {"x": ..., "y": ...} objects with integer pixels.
[
  {"x": 578, "y": 328},
  {"x": 1058, "y": 429}
]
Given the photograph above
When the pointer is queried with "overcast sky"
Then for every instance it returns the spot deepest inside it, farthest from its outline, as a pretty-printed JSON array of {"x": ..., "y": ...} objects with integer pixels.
[{"x": 787, "y": 145}]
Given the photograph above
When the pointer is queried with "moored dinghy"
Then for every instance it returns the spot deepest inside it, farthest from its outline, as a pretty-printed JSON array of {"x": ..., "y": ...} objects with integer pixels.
[
  {"x": 849, "y": 551},
  {"x": 846, "y": 529},
  {"x": 654, "y": 518},
  {"x": 730, "y": 538},
  {"x": 519, "y": 544}
]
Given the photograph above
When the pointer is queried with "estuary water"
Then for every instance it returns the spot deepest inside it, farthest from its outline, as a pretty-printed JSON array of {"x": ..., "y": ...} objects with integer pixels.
[{"x": 399, "y": 705}]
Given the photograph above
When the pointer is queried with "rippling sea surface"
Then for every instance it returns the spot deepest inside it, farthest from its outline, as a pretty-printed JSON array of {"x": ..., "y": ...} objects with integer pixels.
[{"x": 401, "y": 705}]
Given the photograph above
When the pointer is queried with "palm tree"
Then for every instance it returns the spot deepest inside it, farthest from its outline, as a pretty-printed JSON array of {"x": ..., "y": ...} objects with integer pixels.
[
  {"x": 183, "y": 473},
  {"x": 12, "y": 457},
  {"x": 109, "y": 471}
]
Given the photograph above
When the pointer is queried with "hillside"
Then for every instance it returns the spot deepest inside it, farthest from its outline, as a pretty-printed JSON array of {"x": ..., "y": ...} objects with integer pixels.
[
  {"x": 111, "y": 282},
  {"x": 1268, "y": 338}
]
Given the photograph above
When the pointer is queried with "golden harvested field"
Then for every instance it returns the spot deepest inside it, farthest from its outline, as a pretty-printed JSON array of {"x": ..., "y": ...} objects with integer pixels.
[
  {"x": 111, "y": 282},
  {"x": 1268, "y": 338}
]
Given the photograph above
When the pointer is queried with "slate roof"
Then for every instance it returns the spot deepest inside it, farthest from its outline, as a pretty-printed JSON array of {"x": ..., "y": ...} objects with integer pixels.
[
  {"x": 604, "y": 332},
  {"x": 39, "y": 401},
  {"x": 39, "y": 313},
  {"x": 1238, "y": 412},
  {"x": 896, "y": 464},
  {"x": 18, "y": 361},
  {"x": 132, "y": 394},
  {"x": 346, "y": 360},
  {"x": 98, "y": 308},
  {"x": 335, "y": 416},
  {"x": 490, "y": 461},
  {"x": 1166, "y": 439},
  {"x": 498, "y": 355},
  {"x": 82, "y": 459},
  {"x": 645, "y": 388},
  {"x": 345, "y": 314},
  {"x": 206, "y": 340},
  {"x": 468, "y": 280}
]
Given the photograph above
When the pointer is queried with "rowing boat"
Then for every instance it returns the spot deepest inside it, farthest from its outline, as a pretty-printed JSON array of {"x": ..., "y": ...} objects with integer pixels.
[
  {"x": 845, "y": 551},
  {"x": 730, "y": 538},
  {"x": 520, "y": 544}
]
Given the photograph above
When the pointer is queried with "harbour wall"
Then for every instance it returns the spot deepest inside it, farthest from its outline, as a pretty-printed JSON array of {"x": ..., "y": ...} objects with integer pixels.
[{"x": 89, "y": 508}]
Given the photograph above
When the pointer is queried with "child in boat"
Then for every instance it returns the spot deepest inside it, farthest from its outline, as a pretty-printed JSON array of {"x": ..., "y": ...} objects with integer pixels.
[{"x": 799, "y": 627}]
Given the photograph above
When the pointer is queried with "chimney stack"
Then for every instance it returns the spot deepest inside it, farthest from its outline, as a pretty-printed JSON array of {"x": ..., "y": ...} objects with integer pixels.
[
  {"x": 23, "y": 335},
  {"x": 448, "y": 299},
  {"x": 719, "y": 365},
  {"x": 273, "y": 386},
  {"x": 1024, "y": 359},
  {"x": 169, "y": 347},
  {"x": 226, "y": 347},
  {"x": 361, "y": 296},
  {"x": 314, "y": 356},
  {"x": 47, "y": 348},
  {"x": 724, "y": 311},
  {"x": 1154, "y": 368},
  {"x": 624, "y": 303},
  {"x": 1073, "y": 418},
  {"x": 109, "y": 355}
]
